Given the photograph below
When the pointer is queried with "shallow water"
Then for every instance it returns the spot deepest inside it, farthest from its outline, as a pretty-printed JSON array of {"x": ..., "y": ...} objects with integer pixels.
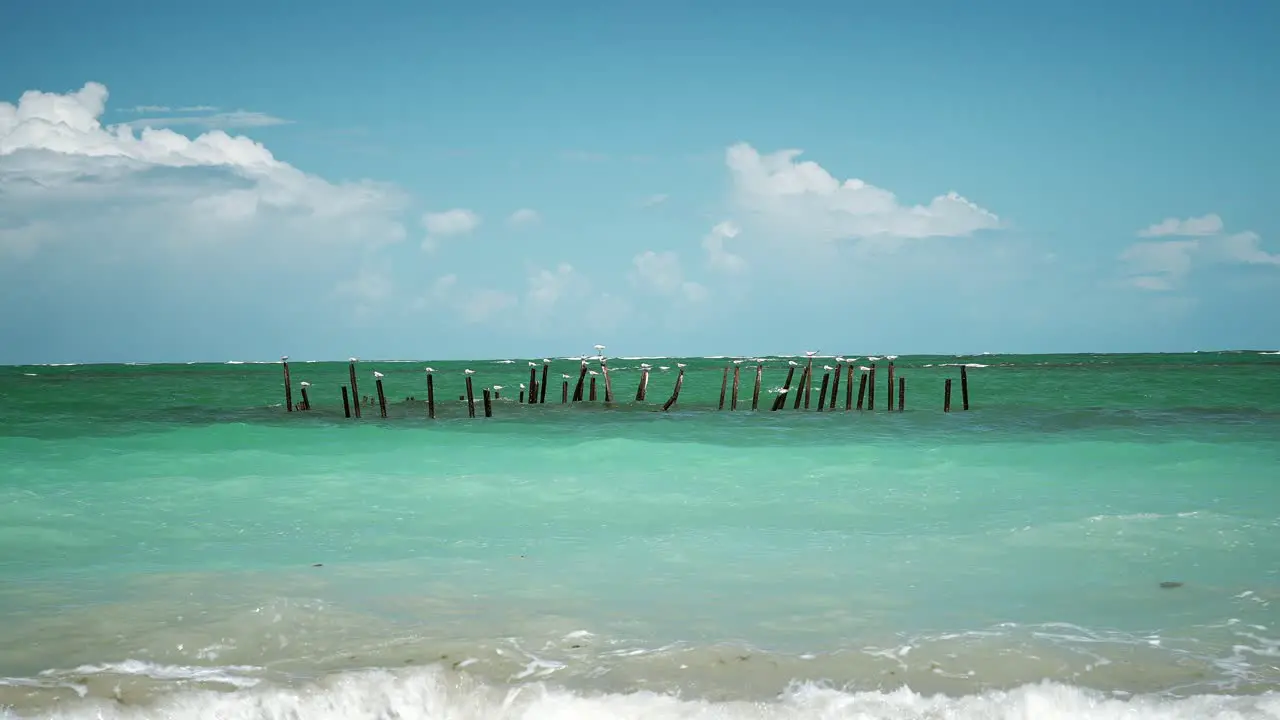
[{"x": 172, "y": 542}]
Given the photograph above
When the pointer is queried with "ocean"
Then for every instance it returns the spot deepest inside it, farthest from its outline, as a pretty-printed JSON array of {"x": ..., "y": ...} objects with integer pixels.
[{"x": 1098, "y": 536}]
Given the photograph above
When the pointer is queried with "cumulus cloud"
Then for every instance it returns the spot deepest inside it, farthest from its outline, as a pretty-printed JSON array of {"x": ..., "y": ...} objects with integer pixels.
[
  {"x": 449, "y": 223},
  {"x": 1163, "y": 265},
  {"x": 1209, "y": 224},
  {"x": 800, "y": 201},
  {"x": 718, "y": 256},
  {"x": 524, "y": 217},
  {"x": 210, "y": 120},
  {"x": 662, "y": 274},
  {"x": 70, "y": 184},
  {"x": 471, "y": 305}
]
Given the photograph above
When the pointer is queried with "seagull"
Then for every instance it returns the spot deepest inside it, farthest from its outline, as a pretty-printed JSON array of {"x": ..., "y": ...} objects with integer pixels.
[
  {"x": 533, "y": 364},
  {"x": 431, "y": 369},
  {"x": 564, "y": 375},
  {"x": 645, "y": 366},
  {"x": 469, "y": 372},
  {"x": 377, "y": 374},
  {"x": 353, "y": 360},
  {"x": 283, "y": 358},
  {"x": 827, "y": 367},
  {"x": 737, "y": 362},
  {"x": 810, "y": 353},
  {"x": 891, "y": 357},
  {"x": 679, "y": 365},
  {"x": 546, "y": 360},
  {"x": 499, "y": 387},
  {"x": 521, "y": 386},
  {"x": 792, "y": 363},
  {"x": 304, "y": 383},
  {"x": 839, "y": 359},
  {"x": 592, "y": 372},
  {"x": 664, "y": 367},
  {"x": 584, "y": 362},
  {"x": 599, "y": 348}
]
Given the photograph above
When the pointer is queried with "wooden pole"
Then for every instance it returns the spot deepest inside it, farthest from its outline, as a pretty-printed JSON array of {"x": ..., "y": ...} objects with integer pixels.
[
  {"x": 871, "y": 388},
  {"x": 964, "y": 387},
  {"x": 902, "y": 393},
  {"x": 533, "y": 384},
  {"x": 643, "y": 386},
  {"x": 724, "y": 385},
  {"x": 848, "y": 388},
  {"x": 593, "y": 388},
  {"x": 675, "y": 393},
  {"x": 306, "y": 401},
  {"x": 835, "y": 385},
  {"x": 522, "y": 396},
  {"x": 382, "y": 399},
  {"x": 808, "y": 382},
  {"x": 288, "y": 386},
  {"x": 733, "y": 402},
  {"x": 542, "y": 389},
  {"x": 862, "y": 388},
  {"x": 355, "y": 389},
  {"x": 889, "y": 389},
  {"x": 488, "y": 405},
  {"x": 471, "y": 399},
  {"x": 582, "y": 378},
  {"x": 946, "y": 397},
  {"x": 564, "y": 393},
  {"x": 804, "y": 378},
  {"x": 608, "y": 385},
  {"x": 346, "y": 402},
  {"x": 786, "y": 387},
  {"x": 822, "y": 395},
  {"x": 431, "y": 397},
  {"x": 755, "y": 393}
]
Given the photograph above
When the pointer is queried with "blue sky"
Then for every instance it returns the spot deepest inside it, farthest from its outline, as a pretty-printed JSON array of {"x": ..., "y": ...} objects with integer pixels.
[{"x": 455, "y": 180}]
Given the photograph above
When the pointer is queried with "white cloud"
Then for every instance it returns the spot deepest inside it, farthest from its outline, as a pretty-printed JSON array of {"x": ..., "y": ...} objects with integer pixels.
[
  {"x": 717, "y": 255},
  {"x": 661, "y": 274},
  {"x": 1209, "y": 224},
  {"x": 222, "y": 120},
  {"x": 799, "y": 201},
  {"x": 524, "y": 217},
  {"x": 1166, "y": 264},
  {"x": 548, "y": 287},
  {"x": 69, "y": 184},
  {"x": 449, "y": 223},
  {"x": 471, "y": 305}
]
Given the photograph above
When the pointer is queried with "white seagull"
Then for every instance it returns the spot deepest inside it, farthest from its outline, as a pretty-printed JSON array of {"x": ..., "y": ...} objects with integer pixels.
[
  {"x": 792, "y": 363},
  {"x": 353, "y": 359},
  {"x": 533, "y": 364},
  {"x": 827, "y": 367},
  {"x": 564, "y": 375},
  {"x": 737, "y": 362},
  {"x": 521, "y": 386},
  {"x": 592, "y": 372},
  {"x": 377, "y": 374},
  {"x": 645, "y": 366},
  {"x": 599, "y": 348},
  {"x": 810, "y": 353},
  {"x": 664, "y": 367},
  {"x": 304, "y": 383},
  {"x": 499, "y": 387},
  {"x": 680, "y": 365},
  {"x": 469, "y": 372},
  {"x": 283, "y": 358},
  {"x": 839, "y": 359},
  {"x": 430, "y": 369},
  {"x": 546, "y": 360}
]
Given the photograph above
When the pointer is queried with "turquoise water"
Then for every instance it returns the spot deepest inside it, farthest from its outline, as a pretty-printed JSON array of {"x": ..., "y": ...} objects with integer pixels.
[{"x": 173, "y": 542}]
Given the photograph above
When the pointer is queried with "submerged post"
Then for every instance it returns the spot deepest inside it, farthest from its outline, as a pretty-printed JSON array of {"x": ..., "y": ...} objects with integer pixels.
[
  {"x": 471, "y": 398},
  {"x": 871, "y": 388},
  {"x": 889, "y": 389},
  {"x": 964, "y": 387},
  {"x": 488, "y": 405},
  {"x": 675, "y": 393},
  {"x": 382, "y": 399},
  {"x": 346, "y": 402},
  {"x": 593, "y": 388},
  {"x": 902, "y": 393},
  {"x": 804, "y": 383},
  {"x": 808, "y": 382},
  {"x": 835, "y": 385},
  {"x": 848, "y": 388},
  {"x": 608, "y": 386},
  {"x": 582, "y": 377},
  {"x": 542, "y": 389},
  {"x": 288, "y": 386},
  {"x": 522, "y": 393},
  {"x": 755, "y": 392},
  {"x": 724, "y": 385},
  {"x": 644, "y": 383},
  {"x": 862, "y": 388},
  {"x": 946, "y": 397},
  {"x": 355, "y": 389},
  {"x": 306, "y": 401},
  {"x": 822, "y": 395},
  {"x": 533, "y": 384},
  {"x": 564, "y": 393},
  {"x": 779, "y": 401},
  {"x": 431, "y": 396},
  {"x": 733, "y": 402}
]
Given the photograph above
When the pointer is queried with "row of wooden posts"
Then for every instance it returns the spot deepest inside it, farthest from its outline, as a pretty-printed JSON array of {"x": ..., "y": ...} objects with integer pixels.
[{"x": 538, "y": 390}]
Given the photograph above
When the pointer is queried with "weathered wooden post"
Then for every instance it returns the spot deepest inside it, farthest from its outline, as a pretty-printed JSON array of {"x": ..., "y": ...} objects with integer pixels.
[
  {"x": 522, "y": 394},
  {"x": 755, "y": 393},
  {"x": 675, "y": 393},
  {"x": 643, "y": 387},
  {"x": 779, "y": 401},
  {"x": 533, "y": 383},
  {"x": 902, "y": 393},
  {"x": 733, "y": 401},
  {"x": 355, "y": 389},
  {"x": 871, "y": 388},
  {"x": 288, "y": 386},
  {"x": 804, "y": 383},
  {"x": 822, "y": 394},
  {"x": 862, "y": 388},
  {"x": 889, "y": 389},
  {"x": 964, "y": 387},
  {"x": 471, "y": 398},
  {"x": 564, "y": 390},
  {"x": 593, "y": 388},
  {"x": 346, "y": 402},
  {"x": 808, "y": 381},
  {"x": 488, "y": 405},
  {"x": 946, "y": 397},
  {"x": 542, "y": 389},
  {"x": 848, "y": 388},
  {"x": 582, "y": 378},
  {"x": 724, "y": 385},
  {"x": 608, "y": 385},
  {"x": 431, "y": 395},
  {"x": 382, "y": 399},
  {"x": 306, "y": 401},
  {"x": 835, "y": 384}
]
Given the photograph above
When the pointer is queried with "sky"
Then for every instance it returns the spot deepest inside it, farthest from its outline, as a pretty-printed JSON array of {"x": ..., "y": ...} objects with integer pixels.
[{"x": 440, "y": 180}]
